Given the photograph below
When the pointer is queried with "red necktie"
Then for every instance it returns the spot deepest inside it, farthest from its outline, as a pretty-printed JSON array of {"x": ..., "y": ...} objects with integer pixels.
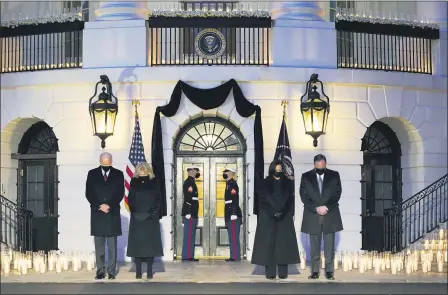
[{"x": 105, "y": 177}]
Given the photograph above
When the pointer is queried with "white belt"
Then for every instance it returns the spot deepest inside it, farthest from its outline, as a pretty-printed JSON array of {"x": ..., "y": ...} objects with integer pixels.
[
  {"x": 194, "y": 199},
  {"x": 228, "y": 202}
]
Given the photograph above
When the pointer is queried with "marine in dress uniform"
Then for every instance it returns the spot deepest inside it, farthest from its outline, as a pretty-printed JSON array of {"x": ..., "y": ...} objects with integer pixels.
[
  {"x": 190, "y": 209},
  {"x": 232, "y": 214}
]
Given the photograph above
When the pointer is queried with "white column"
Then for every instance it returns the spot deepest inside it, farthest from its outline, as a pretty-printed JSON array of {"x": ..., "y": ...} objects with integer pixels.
[
  {"x": 301, "y": 36},
  {"x": 121, "y": 11},
  {"x": 118, "y": 37},
  {"x": 435, "y": 11}
]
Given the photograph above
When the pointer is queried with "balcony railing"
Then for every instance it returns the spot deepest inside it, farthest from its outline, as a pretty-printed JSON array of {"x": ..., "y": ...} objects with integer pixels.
[
  {"x": 174, "y": 41},
  {"x": 389, "y": 47},
  {"x": 41, "y": 47}
]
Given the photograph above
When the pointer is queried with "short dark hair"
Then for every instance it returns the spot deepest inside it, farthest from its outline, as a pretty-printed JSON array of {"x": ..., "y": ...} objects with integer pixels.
[
  {"x": 319, "y": 157},
  {"x": 273, "y": 165}
]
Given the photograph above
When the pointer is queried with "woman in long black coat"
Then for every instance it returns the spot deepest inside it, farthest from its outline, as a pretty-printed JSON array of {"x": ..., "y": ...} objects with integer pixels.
[
  {"x": 275, "y": 242},
  {"x": 144, "y": 240}
]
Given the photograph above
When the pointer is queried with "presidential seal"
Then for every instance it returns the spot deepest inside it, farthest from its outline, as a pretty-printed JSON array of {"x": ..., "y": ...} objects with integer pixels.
[{"x": 210, "y": 44}]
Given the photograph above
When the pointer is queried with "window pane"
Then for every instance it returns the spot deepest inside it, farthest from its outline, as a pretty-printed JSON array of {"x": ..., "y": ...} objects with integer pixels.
[{"x": 35, "y": 173}]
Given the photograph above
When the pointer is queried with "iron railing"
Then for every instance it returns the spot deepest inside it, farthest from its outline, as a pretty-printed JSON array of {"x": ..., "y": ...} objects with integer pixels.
[
  {"x": 173, "y": 41},
  {"x": 16, "y": 229},
  {"x": 41, "y": 47},
  {"x": 384, "y": 47},
  {"x": 422, "y": 213}
]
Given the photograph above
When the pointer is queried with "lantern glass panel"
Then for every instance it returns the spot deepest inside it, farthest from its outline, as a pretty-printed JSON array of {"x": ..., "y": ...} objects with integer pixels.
[{"x": 318, "y": 120}]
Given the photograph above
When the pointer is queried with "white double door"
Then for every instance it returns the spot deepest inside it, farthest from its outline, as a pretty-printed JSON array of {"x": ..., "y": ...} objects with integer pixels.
[{"x": 211, "y": 235}]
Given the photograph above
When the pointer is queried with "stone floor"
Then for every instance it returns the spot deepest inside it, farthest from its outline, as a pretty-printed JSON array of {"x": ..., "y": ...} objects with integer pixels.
[{"x": 222, "y": 272}]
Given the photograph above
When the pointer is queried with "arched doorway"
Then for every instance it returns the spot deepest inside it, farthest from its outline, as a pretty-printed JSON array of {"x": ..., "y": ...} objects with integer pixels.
[
  {"x": 37, "y": 183},
  {"x": 212, "y": 144},
  {"x": 381, "y": 183}
]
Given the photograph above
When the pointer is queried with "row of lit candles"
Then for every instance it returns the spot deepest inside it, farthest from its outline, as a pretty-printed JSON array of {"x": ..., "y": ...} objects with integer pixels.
[
  {"x": 379, "y": 262},
  {"x": 22, "y": 263}
]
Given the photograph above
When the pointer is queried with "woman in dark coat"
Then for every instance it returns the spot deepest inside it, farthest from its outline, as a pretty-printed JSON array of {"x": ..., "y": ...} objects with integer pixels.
[
  {"x": 144, "y": 240},
  {"x": 275, "y": 238}
]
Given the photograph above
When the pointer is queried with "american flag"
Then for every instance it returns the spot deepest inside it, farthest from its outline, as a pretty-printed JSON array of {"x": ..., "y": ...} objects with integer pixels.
[{"x": 136, "y": 156}]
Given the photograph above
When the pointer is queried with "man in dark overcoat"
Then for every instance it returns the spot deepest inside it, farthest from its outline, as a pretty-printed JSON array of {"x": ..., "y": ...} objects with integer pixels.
[
  {"x": 105, "y": 191},
  {"x": 275, "y": 244},
  {"x": 320, "y": 191}
]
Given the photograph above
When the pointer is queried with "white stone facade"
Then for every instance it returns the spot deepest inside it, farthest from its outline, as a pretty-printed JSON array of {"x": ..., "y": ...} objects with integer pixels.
[{"x": 413, "y": 105}]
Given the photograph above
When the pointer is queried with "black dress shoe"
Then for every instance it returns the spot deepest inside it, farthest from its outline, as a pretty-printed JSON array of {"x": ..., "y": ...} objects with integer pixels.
[
  {"x": 194, "y": 260},
  {"x": 100, "y": 276},
  {"x": 230, "y": 260},
  {"x": 149, "y": 277},
  {"x": 270, "y": 278},
  {"x": 283, "y": 277},
  {"x": 111, "y": 277},
  {"x": 138, "y": 277},
  {"x": 329, "y": 276},
  {"x": 314, "y": 276}
]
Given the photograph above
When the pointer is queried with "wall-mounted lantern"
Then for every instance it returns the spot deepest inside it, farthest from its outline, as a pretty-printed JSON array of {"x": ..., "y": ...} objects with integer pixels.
[
  {"x": 103, "y": 110},
  {"x": 315, "y": 109}
]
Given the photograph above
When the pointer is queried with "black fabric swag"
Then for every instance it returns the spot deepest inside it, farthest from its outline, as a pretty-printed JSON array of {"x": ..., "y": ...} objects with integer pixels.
[{"x": 206, "y": 99}]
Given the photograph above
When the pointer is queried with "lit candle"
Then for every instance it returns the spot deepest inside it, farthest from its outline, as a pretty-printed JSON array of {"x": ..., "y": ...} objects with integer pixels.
[
  {"x": 408, "y": 268},
  {"x": 388, "y": 262},
  {"x": 58, "y": 266},
  {"x": 42, "y": 267},
  {"x": 361, "y": 265},
  {"x": 426, "y": 245},
  {"x": 336, "y": 263},
  {"x": 377, "y": 267},
  {"x": 383, "y": 264},
  {"x": 446, "y": 256},
  {"x": 7, "y": 266},
  {"x": 424, "y": 269},
  {"x": 15, "y": 263},
  {"x": 369, "y": 263},
  {"x": 441, "y": 234},
  {"x": 440, "y": 266},
  {"x": 428, "y": 265},
  {"x": 322, "y": 259},
  {"x": 345, "y": 264},
  {"x": 302, "y": 261},
  {"x": 50, "y": 262},
  {"x": 393, "y": 267},
  {"x": 66, "y": 263}
]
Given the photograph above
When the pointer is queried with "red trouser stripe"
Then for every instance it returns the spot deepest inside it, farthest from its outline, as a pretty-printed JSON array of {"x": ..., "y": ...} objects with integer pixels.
[
  {"x": 234, "y": 239},
  {"x": 189, "y": 238}
]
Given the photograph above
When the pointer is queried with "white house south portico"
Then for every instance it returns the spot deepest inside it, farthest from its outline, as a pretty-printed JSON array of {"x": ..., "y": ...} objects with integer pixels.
[{"x": 386, "y": 132}]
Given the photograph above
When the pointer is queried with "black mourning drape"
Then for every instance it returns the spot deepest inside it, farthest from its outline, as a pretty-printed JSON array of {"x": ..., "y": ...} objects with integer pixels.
[{"x": 206, "y": 99}]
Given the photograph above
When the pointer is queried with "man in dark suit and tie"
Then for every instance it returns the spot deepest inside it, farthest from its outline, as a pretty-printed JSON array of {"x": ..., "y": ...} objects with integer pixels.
[
  {"x": 320, "y": 191},
  {"x": 105, "y": 191}
]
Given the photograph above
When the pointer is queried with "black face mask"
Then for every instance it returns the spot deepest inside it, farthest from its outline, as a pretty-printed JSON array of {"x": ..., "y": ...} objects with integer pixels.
[
  {"x": 198, "y": 175},
  {"x": 105, "y": 168},
  {"x": 278, "y": 174},
  {"x": 224, "y": 175},
  {"x": 320, "y": 171}
]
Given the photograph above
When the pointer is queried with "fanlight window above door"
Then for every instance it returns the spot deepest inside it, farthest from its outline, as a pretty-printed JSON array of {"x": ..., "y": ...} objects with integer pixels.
[
  {"x": 375, "y": 142},
  {"x": 209, "y": 137}
]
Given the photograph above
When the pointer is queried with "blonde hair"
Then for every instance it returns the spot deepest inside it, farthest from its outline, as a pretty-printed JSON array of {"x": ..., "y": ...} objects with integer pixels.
[{"x": 145, "y": 168}]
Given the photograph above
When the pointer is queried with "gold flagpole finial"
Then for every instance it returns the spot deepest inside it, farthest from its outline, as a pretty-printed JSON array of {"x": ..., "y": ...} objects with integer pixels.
[
  {"x": 284, "y": 105},
  {"x": 136, "y": 103}
]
